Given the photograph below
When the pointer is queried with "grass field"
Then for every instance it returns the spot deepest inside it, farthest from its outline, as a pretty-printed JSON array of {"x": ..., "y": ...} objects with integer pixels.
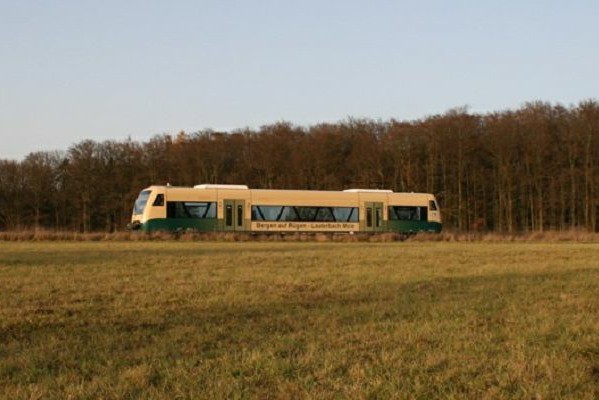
[{"x": 299, "y": 320}]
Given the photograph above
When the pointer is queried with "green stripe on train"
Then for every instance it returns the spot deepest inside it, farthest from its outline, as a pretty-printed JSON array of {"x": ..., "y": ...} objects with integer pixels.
[
  {"x": 210, "y": 225},
  {"x": 174, "y": 224}
]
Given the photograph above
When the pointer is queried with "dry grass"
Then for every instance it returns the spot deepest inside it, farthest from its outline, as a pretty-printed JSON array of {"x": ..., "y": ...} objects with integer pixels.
[
  {"x": 172, "y": 319},
  {"x": 573, "y": 235}
]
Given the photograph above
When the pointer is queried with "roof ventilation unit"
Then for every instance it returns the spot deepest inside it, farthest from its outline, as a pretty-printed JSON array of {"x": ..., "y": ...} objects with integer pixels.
[
  {"x": 215, "y": 186},
  {"x": 368, "y": 191}
]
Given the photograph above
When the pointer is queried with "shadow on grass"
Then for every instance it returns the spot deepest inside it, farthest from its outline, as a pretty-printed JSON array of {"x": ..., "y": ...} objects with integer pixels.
[{"x": 419, "y": 320}]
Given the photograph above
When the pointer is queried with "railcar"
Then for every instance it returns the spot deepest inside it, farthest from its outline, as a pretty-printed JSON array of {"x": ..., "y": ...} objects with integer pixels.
[{"x": 237, "y": 208}]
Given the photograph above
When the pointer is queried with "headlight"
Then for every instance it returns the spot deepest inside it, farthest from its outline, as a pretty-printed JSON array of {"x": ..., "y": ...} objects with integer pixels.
[{"x": 133, "y": 226}]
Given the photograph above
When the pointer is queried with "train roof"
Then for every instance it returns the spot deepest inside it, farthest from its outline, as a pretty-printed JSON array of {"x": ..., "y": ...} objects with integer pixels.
[{"x": 219, "y": 187}]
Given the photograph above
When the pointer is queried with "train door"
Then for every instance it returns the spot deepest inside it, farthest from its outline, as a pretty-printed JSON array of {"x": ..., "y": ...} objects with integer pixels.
[
  {"x": 234, "y": 215},
  {"x": 373, "y": 217}
]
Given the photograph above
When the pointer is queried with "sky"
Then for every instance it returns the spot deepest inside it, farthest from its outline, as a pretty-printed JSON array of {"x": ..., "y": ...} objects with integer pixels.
[{"x": 110, "y": 70}]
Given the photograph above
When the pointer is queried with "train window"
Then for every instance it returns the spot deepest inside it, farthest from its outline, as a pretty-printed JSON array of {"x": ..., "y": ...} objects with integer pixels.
[
  {"x": 304, "y": 214},
  {"x": 190, "y": 209},
  {"x": 345, "y": 214},
  {"x": 266, "y": 213},
  {"x": 324, "y": 214},
  {"x": 405, "y": 213},
  {"x": 175, "y": 209},
  {"x": 201, "y": 210},
  {"x": 378, "y": 217},
  {"x": 140, "y": 203},
  {"x": 432, "y": 205},
  {"x": 159, "y": 200},
  {"x": 239, "y": 215},
  {"x": 229, "y": 215},
  {"x": 368, "y": 217}
]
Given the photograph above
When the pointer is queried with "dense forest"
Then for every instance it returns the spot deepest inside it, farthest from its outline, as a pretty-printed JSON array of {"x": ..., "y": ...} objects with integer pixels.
[{"x": 531, "y": 169}]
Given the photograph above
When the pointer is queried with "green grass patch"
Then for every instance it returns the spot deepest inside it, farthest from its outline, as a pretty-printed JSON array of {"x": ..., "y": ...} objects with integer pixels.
[{"x": 299, "y": 320}]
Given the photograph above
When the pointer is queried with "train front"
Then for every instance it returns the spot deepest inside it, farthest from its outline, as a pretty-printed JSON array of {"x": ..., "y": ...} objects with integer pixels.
[{"x": 148, "y": 199}]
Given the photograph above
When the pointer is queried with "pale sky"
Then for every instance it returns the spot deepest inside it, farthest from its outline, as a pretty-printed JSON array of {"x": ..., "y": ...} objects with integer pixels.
[{"x": 75, "y": 70}]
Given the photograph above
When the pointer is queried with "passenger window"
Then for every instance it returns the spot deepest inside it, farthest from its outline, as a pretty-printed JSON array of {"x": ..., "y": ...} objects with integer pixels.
[
  {"x": 369, "y": 217},
  {"x": 378, "y": 217},
  {"x": 159, "y": 200},
  {"x": 229, "y": 215},
  {"x": 239, "y": 215}
]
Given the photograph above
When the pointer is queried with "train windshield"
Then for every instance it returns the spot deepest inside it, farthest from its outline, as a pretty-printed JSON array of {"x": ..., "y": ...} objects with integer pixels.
[{"x": 140, "y": 203}]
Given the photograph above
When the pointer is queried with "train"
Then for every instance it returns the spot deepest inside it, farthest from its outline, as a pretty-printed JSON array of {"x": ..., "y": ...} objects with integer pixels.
[{"x": 237, "y": 208}]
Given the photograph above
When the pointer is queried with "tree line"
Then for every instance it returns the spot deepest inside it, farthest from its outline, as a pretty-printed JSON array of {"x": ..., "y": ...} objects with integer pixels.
[{"x": 531, "y": 169}]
